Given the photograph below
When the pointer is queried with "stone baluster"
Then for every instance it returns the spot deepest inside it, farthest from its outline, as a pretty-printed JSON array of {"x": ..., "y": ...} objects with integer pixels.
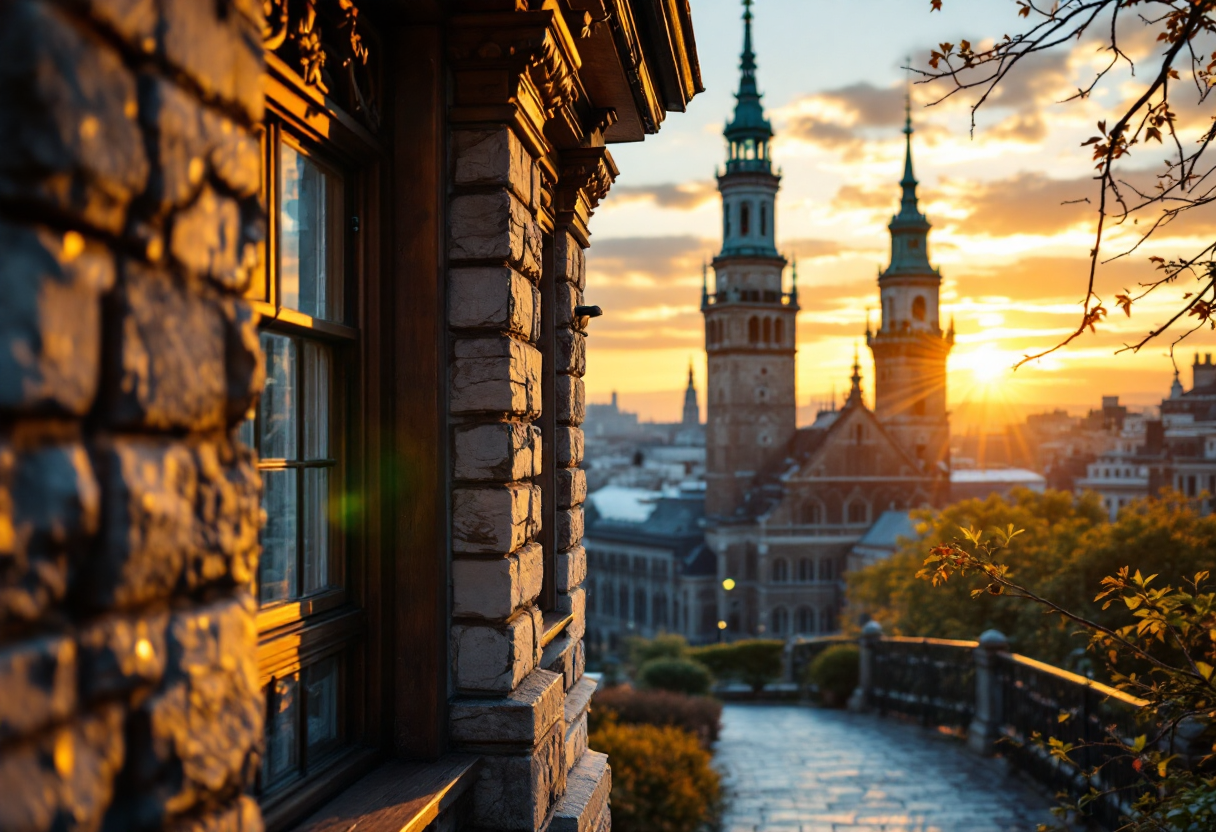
[
  {"x": 871, "y": 635},
  {"x": 985, "y": 729}
]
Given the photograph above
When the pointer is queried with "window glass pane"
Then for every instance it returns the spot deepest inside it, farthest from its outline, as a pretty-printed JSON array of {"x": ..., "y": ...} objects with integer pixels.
[
  {"x": 277, "y": 408},
  {"x": 310, "y": 244},
  {"x": 315, "y": 518},
  {"x": 282, "y": 730},
  {"x": 317, "y": 373},
  {"x": 322, "y": 681},
  {"x": 277, "y": 569}
]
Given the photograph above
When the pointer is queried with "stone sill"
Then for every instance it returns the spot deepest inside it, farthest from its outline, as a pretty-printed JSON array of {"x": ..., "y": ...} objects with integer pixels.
[
  {"x": 397, "y": 797},
  {"x": 554, "y": 624}
]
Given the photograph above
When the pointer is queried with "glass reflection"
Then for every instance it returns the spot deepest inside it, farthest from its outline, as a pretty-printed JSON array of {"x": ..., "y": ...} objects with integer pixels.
[
  {"x": 277, "y": 568},
  {"x": 310, "y": 252},
  {"x": 282, "y": 738},
  {"x": 277, "y": 407}
]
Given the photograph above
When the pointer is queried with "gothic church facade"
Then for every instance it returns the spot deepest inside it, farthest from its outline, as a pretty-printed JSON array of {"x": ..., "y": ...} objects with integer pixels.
[{"x": 784, "y": 505}]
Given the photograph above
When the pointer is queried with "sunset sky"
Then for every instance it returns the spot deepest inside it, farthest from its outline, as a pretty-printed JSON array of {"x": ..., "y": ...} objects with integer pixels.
[{"x": 1012, "y": 257}]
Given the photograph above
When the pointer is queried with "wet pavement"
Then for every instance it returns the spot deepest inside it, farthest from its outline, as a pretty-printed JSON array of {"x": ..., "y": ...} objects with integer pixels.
[{"x": 789, "y": 768}]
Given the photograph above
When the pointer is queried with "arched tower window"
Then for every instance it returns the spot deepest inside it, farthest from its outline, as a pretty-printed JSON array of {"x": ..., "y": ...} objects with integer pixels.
[
  {"x": 779, "y": 332},
  {"x": 780, "y": 620},
  {"x": 825, "y": 570},
  {"x": 745, "y": 219},
  {"x": 781, "y": 571},
  {"x": 806, "y": 572},
  {"x": 768, "y": 330},
  {"x": 918, "y": 308},
  {"x": 810, "y": 513},
  {"x": 763, "y": 220},
  {"x": 753, "y": 330},
  {"x": 857, "y": 512},
  {"x": 806, "y": 620}
]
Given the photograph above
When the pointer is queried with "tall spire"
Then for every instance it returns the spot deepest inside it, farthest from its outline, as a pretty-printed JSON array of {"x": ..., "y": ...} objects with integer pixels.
[
  {"x": 749, "y": 132},
  {"x": 908, "y": 204},
  {"x": 794, "y": 283},
  {"x": 855, "y": 389},
  {"x": 704, "y": 284}
]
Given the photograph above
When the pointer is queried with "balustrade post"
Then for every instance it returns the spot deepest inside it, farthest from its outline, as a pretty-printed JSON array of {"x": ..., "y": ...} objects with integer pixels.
[
  {"x": 985, "y": 728},
  {"x": 863, "y": 695}
]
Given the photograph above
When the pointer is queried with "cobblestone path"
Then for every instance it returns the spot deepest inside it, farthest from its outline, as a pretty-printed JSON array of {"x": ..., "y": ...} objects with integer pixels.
[{"x": 797, "y": 769}]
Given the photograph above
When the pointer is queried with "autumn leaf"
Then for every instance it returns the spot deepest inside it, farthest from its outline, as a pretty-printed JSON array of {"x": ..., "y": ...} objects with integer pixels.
[
  {"x": 1124, "y": 302},
  {"x": 935, "y": 5}
]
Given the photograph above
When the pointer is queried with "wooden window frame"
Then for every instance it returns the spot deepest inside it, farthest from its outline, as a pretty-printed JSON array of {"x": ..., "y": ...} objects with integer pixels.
[{"x": 350, "y": 621}]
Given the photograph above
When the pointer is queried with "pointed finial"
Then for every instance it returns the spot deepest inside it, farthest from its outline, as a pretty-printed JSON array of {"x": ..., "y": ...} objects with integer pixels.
[
  {"x": 908, "y": 98},
  {"x": 869, "y": 311},
  {"x": 690, "y": 371}
]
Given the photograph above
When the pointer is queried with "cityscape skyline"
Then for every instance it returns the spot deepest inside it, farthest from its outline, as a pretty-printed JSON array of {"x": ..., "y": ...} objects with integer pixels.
[{"x": 1012, "y": 256}]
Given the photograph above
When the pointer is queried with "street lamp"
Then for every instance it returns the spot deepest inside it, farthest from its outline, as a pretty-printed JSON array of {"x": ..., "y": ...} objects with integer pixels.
[{"x": 728, "y": 584}]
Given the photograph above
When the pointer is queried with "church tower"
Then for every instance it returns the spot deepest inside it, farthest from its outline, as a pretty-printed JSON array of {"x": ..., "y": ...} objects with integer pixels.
[
  {"x": 749, "y": 318},
  {"x": 692, "y": 411},
  {"x": 910, "y": 348}
]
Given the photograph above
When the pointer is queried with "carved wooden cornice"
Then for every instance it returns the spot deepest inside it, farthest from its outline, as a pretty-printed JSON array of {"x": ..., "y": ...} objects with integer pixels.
[
  {"x": 585, "y": 176},
  {"x": 322, "y": 42}
]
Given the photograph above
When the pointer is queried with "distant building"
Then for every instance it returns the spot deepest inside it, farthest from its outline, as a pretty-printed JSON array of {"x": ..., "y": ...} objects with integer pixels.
[
  {"x": 882, "y": 539},
  {"x": 650, "y": 569},
  {"x": 968, "y": 483},
  {"x": 608, "y": 421}
]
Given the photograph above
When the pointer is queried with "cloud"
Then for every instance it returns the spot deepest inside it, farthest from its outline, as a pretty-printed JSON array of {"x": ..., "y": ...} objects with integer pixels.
[
  {"x": 678, "y": 196},
  {"x": 1026, "y": 203},
  {"x": 652, "y": 259}
]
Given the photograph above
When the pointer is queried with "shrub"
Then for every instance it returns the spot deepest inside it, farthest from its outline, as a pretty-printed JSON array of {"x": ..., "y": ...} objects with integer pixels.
[
  {"x": 755, "y": 662},
  {"x": 662, "y": 780},
  {"x": 699, "y": 715},
  {"x": 642, "y": 650},
  {"x": 834, "y": 672},
  {"x": 679, "y": 675}
]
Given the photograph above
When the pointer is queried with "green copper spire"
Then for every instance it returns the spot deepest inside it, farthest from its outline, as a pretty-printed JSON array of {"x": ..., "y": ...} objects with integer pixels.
[
  {"x": 749, "y": 132},
  {"x": 909, "y": 228}
]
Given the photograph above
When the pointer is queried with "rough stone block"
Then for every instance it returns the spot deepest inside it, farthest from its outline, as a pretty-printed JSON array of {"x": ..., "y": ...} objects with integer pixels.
[
  {"x": 493, "y": 157},
  {"x": 241, "y": 815},
  {"x": 50, "y": 320},
  {"x": 569, "y": 447},
  {"x": 494, "y": 226},
  {"x": 571, "y": 487},
  {"x": 493, "y": 297},
  {"x": 501, "y": 451},
  {"x": 569, "y": 531},
  {"x": 228, "y": 514},
  {"x": 234, "y": 153},
  {"x": 578, "y": 700},
  {"x": 69, "y": 141},
  {"x": 567, "y": 297},
  {"x": 132, "y": 20},
  {"x": 207, "y": 240},
  {"x": 197, "y": 738},
  {"x": 244, "y": 364},
  {"x": 514, "y": 793},
  {"x": 65, "y": 778},
  {"x": 571, "y": 358},
  {"x": 571, "y": 568},
  {"x": 571, "y": 399},
  {"x": 494, "y": 520},
  {"x": 576, "y": 741},
  {"x": 50, "y": 505},
  {"x": 173, "y": 120},
  {"x": 120, "y": 653},
  {"x": 169, "y": 356},
  {"x": 523, "y": 716},
  {"x": 558, "y": 657},
  {"x": 38, "y": 680},
  {"x": 574, "y": 602},
  {"x": 586, "y": 799},
  {"x": 495, "y": 588},
  {"x": 570, "y": 259},
  {"x": 220, "y": 52},
  {"x": 496, "y": 375},
  {"x": 496, "y": 659}
]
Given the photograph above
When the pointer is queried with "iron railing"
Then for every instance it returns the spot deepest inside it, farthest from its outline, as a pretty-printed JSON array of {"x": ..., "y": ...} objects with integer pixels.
[
  {"x": 1033, "y": 697},
  {"x": 929, "y": 679}
]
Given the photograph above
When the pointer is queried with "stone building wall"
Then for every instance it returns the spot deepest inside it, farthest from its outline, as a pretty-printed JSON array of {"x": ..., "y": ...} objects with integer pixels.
[{"x": 129, "y": 225}]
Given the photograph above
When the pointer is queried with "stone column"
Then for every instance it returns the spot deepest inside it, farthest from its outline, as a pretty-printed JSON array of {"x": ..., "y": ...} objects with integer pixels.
[
  {"x": 871, "y": 635},
  {"x": 129, "y": 226},
  {"x": 985, "y": 729},
  {"x": 526, "y": 175}
]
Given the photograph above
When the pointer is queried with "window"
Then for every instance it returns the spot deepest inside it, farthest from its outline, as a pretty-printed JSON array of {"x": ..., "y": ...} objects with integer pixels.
[
  {"x": 767, "y": 327},
  {"x": 857, "y": 512},
  {"x": 639, "y": 607},
  {"x": 781, "y": 620},
  {"x": 778, "y": 332},
  {"x": 745, "y": 219},
  {"x": 310, "y": 623},
  {"x": 763, "y": 220},
  {"x": 753, "y": 330},
  {"x": 806, "y": 570},
  {"x": 781, "y": 571},
  {"x": 827, "y": 621},
  {"x": 826, "y": 570},
  {"x": 918, "y": 308},
  {"x": 623, "y": 603},
  {"x": 806, "y": 620},
  {"x": 810, "y": 514}
]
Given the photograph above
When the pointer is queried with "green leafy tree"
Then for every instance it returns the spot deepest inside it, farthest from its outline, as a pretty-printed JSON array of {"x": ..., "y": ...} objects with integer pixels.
[
  {"x": 1064, "y": 550},
  {"x": 1159, "y": 645}
]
